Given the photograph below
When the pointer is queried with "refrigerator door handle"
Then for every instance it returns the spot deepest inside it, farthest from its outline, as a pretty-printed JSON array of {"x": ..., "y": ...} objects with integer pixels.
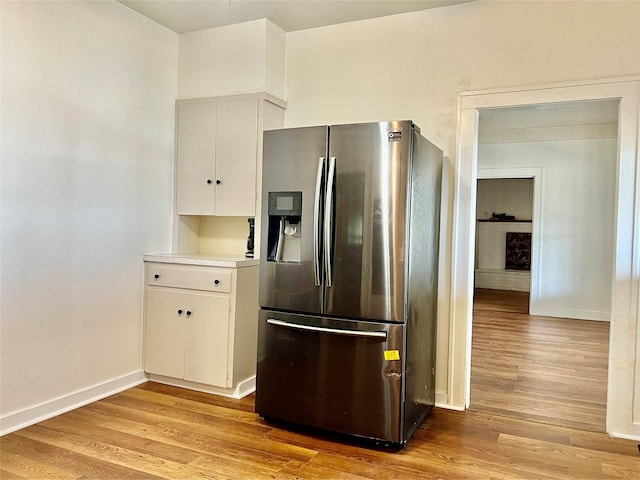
[
  {"x": 328, "y": 221},
  {"x": 316, "y": 223},
  {"x": 352, "y": 333}
]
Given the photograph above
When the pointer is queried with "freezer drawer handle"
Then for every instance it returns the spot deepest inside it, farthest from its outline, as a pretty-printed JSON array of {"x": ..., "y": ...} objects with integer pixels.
[{"x": 353, "y": 333}]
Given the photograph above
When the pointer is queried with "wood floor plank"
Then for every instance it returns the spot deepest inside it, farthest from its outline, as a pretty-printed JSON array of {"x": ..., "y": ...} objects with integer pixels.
[
  {"x": 134, "y": 442},
  {"x": 210, "y": 435},
  {"x": 245, "y": 404},
  {"x": 367, "y": 466},
  {"x": 313, "y": 470},
  {"x": 586, "y": 464},
  {"x": 145, "y": 462},
  {"x": 186, "y": 415},
  {"x": 8, "y": 475},
  {"x": 189, "y": 405},
  {"x": 30, "y": 467},
  {"x": 396, "y": 464},
  {"x": 52, "y": 461},
  {"x": 117, "y": 455},
  {"x": 473, "y": 455}
]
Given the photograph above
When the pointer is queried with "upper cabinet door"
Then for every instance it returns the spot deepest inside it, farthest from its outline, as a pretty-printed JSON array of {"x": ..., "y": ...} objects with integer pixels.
[
  {"x": 217, "y": 151},
  {"x": 196, "y": 143},
  {"x": 236, "y": 154}
]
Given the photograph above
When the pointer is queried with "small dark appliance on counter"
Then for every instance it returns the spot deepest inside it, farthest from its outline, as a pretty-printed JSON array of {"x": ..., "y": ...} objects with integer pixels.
[{"x": 250, "y": 238}]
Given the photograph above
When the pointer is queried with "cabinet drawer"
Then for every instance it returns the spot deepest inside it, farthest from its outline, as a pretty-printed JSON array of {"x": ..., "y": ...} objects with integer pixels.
[{"x": 189, "y": 276}]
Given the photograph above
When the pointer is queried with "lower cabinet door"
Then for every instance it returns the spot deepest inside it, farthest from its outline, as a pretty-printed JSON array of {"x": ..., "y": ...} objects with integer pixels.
[
  {"x": 187, "y": 335},
  {"x": 164, "y": 337},
  {"x": 206, "y": 345}
]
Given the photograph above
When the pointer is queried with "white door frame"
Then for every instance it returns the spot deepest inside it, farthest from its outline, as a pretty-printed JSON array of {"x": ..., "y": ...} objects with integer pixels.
[
  {"x": 623, "y": 401},
  {"x": 536, "y": 220}
]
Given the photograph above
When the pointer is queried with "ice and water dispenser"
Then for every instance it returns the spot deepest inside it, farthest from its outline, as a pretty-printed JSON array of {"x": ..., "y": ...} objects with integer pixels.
[{"x": 285, "y": 225}]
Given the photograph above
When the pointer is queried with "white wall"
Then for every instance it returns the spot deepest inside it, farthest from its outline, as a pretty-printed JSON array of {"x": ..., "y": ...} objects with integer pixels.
[
  {"x": 513, "y": 196},
  {"x": 87, "y": 148},
  {"x": 416, "y": 65},
  {"x": 246, "y": 57}
]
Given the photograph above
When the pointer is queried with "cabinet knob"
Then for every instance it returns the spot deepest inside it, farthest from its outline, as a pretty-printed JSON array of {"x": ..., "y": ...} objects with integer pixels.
[
  {"x": 156, "y": 276},
  {"x": 180, "y": 312},
  {"x": 209, "y": 181},
  {"x": 217, "y": 282},
  {"x": 188, "y": 312},
  {"x": 218, "y": 181}
]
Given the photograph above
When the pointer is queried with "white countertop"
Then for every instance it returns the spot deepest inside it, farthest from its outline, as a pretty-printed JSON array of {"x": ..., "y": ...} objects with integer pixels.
[{"x": 207, "y": 259}]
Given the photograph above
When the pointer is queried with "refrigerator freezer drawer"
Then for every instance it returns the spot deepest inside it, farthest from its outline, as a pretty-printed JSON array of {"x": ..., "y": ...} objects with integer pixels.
[{"x": 339, "y": 375}]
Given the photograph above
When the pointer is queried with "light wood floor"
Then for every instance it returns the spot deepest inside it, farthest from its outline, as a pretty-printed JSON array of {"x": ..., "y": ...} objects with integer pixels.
[
  {"x": 157, "y": 431},
  {"x": 542, "y": 369}
]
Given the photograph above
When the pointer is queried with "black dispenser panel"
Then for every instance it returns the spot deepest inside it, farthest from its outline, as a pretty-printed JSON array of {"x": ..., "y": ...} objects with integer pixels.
[{"x": 284, "y": 234}]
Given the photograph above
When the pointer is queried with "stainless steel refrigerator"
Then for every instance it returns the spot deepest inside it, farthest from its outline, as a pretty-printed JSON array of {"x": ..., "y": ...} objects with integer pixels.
[{"x": 348, "y": 278}]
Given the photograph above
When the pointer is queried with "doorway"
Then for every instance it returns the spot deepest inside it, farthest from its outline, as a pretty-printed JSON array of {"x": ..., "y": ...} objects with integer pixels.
[
  {"x": 504, "y": 221},
  {"x": 623, "y": 282},
  {"x": 556, "y": 368},
  {"x": 525, "y": 208}
]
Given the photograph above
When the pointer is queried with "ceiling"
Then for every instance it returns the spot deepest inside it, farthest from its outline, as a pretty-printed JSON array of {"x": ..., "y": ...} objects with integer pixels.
[{"x": 183, "y": 16}]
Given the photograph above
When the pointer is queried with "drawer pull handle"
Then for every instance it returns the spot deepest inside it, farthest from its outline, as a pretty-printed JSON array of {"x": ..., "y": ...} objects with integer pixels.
[
  {"x": 218, "y": 182},
  {"x": 217, "y": 282},
  {"x": 156, "y": 276},
  {"x": 311, "y": 328},
  {"x": 180, "y": 312},
  {"x": 209, "y": 181},
  {"x": 188, "y": 313}
]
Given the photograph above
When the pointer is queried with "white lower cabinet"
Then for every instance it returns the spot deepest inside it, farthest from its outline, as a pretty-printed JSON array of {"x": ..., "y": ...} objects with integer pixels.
[
  {"x": 201, "y": 325},
  {"x": 187, "y": 335}
]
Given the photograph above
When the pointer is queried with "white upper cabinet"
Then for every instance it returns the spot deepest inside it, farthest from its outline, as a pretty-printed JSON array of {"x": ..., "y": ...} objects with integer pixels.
[{"x": 217, "y": 153}]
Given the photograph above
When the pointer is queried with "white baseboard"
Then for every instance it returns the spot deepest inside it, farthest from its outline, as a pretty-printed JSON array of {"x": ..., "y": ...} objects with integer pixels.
[
  {"x": 625, "y": 436},
  {"x": 577, "y": 314},
  {"x": 242, "y": 389},
  {"x": 29, "y": 416}
]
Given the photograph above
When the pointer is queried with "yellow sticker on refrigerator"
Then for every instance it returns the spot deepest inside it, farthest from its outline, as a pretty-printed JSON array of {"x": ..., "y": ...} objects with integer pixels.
[{"x": 391, "y": 355}]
